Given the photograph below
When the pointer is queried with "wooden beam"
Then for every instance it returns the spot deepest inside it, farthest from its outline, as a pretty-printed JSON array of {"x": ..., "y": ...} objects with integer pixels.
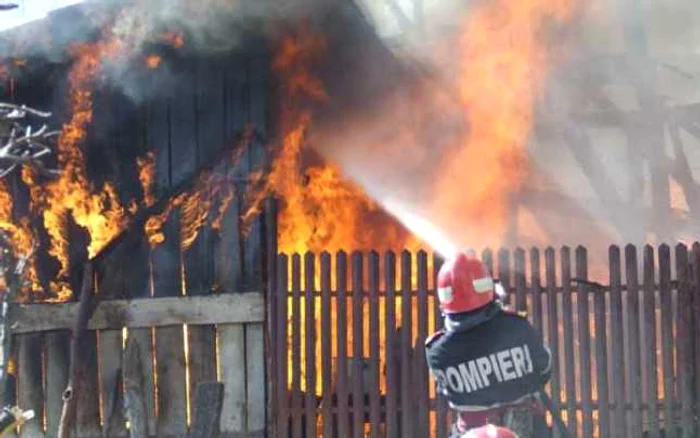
[{"x": 141, "y": 313}]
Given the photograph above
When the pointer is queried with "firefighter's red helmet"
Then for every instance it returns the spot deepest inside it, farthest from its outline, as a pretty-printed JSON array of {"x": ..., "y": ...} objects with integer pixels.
[
  {"x": 490, "y": 431},
  {"x": 463, "y": 284}
]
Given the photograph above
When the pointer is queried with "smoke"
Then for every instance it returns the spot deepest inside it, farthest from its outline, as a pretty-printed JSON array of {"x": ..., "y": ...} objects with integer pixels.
[
  {"x": 168, "y": 29},
  {"x": 543, "y": 123}
]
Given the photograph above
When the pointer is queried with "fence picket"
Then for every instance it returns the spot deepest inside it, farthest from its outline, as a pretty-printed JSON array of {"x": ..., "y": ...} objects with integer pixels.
[
  {"x": 392, "y": 379},
  {"x": 406, "y": 396},
  {"x": 633, "y": 339},
  {"x": 617, "y": 343},
  {"x": 326, "y": 346},
  {"x": 57, "y": 364},
  {"x": 30, "y": 390},
  {"x": 649, "y": 337},
  {"x": 568, "y": 322},
  {"x": 310, "y": 343},
  {"x": 487, "y": 259},
  {"x": 357, "y": 380},
  {"x": 536, "y": 290},
  {"x": 374, "y": 386},
  {"x": 87, "y": 421},
  {"x": 584, "y": 334},
  {"x": 696, "y": 324},
  {"x": 504, "y": 272},
  {"x": 520, "y": 282},
  {"x": 684, "y": 347},
  {"x": 441, "y": 403},
  {"x": 601, "y": 361},
  {"x": 110, "y": 355},
  {"x": 553, "y": 332},
  {"x": 296, "y": 405},
  {"x": 667, "y": 339},
  {"x": 342, "y": 327},
  {"x": 421, "y": 365},
  {"x": 281, "y": 338}
]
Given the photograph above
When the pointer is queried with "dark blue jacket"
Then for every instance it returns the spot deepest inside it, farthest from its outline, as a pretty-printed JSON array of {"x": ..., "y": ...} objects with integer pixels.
[{"x": 488, "y": 358}]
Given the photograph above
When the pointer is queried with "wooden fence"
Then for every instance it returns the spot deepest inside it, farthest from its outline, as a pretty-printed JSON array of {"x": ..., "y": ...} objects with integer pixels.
[
  {"x": 348, "y": 357},
  {"x": 169, "y": 370}
]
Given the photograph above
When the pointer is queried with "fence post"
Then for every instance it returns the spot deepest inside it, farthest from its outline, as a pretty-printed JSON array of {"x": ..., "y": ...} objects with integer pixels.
[
  {"x": 696, "y": 330},
  {"x": 685, "y": 344},
  {"x": 271, "y": 298}
]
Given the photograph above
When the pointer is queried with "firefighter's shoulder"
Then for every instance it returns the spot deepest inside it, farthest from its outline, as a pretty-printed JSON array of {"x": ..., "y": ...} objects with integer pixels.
[{"x": 434, "y": 337}]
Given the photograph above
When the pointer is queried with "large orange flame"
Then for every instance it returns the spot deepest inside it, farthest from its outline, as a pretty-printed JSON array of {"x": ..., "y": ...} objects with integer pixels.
[
  {"x": 322, "y": 210},
  {"x": 20, "y": 235},
  {"x": 504, "y": 63},
  {"x": 71, "y": 196}
]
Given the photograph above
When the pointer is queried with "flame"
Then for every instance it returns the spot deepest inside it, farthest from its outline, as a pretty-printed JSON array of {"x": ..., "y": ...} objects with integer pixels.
[
  {"x": 175, "y": 39},
  {"x": 147, "y": 174},
  {"x": 504, "y": 63},
  {"x": 72, "y": 195},
  {"x": 153, "y": 61},
  {"x": 322, "y": 210},
  {"x": 21, "y": 235}
]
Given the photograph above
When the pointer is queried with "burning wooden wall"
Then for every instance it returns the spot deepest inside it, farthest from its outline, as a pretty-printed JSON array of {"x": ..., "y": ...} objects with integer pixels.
[{"x": 162, "y": 168}]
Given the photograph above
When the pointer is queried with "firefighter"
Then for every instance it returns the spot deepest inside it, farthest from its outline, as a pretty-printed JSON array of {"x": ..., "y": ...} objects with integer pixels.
[{"x": 488, "y": 361}]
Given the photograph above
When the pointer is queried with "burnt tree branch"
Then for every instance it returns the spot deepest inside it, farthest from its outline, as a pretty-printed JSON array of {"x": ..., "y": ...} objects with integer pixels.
[
  {"x": 20, "y": 144},
  {"x": 88, "y": 303}
]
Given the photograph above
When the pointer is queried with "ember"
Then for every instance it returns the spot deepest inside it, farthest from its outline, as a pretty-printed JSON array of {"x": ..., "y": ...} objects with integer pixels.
[
  {"x": 177, "y": 40},
  {"x": 153, "y": 61}
]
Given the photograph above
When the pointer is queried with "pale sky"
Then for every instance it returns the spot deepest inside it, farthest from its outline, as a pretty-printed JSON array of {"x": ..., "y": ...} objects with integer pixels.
[{"x": 30, "y": 10}]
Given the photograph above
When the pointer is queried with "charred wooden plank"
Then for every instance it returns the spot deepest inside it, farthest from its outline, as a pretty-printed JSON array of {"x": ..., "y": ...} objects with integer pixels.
[
  {"x": 342, "y": 327},
  {"x": 536, "y": 291},
  {"x": 255, "y": 378},
  {"x": 207, "y": 410},
  {"x": 406, "y": 348},
  {"x": 30, "y": 394},
  {"x": 568, "y": 321},
  {"x": 553, "y": 331},
  {"x": 685, "y": 358},
  {"x": 357, "y": 371},
  {"x": 326, "y": 345},
  {"x": 135, "y": 390},
  {"x": 392, "y": 353},
  {"x": 667, "y": 340},
  {"x": 442, "y": 407},
  {"x": 297, "y": 400},
  {"x": 584, "y": 334},
  {"x": 520, "y": 281},
  {"x": 310, "y": 344},
  {"x": 57, "y": 364},
  {"x": 80, "y": 401},
  {"x": 233, "y": 369},
  {"x": 421, "y": 366},
  {"x": 650, "y": 347},
  {"x": 374, "y": 386},
  {"x": 169, "y": 341},
  {"x": 617, "y": 344},
  {"x": 110, "y": 363},
  {"x": 281, "y": 348}
]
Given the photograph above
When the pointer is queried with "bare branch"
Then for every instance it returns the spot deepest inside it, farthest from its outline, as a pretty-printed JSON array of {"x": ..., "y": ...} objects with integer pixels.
[{"x": 18, "y": 144}]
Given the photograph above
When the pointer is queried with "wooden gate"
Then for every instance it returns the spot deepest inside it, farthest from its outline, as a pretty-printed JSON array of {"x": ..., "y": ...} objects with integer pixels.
[{"x": 348, "y": 333}]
